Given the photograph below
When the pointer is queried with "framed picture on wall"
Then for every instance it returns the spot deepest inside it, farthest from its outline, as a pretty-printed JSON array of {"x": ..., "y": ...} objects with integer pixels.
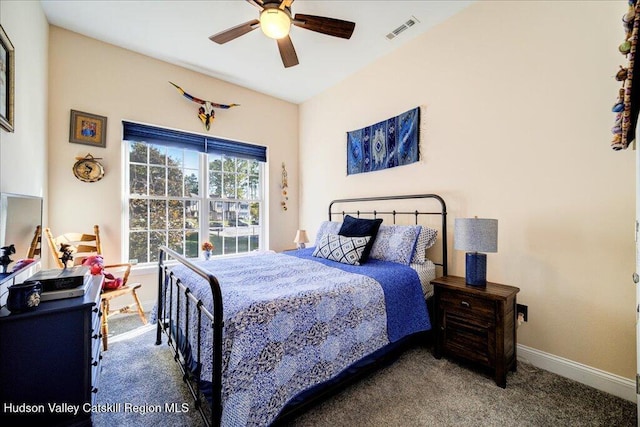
[
  {"x": 7, "y": 79},
  {"x": 89, "y": 129}
]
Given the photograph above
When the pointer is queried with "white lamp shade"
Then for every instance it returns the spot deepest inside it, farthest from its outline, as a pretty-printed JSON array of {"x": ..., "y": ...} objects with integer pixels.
[
  {"x": 476, "y": 234},
  {"x": 275, "y": 23},
  {"x": 301, "y": 237}
]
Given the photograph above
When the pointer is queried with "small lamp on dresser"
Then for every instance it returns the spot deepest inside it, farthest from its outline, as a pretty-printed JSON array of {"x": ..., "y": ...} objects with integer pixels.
[
  {"x": 301, "y": 239},
  {"x": 476, "y": 235}
]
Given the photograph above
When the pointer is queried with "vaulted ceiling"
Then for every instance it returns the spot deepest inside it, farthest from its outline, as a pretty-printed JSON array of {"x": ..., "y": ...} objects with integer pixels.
[{"x": 178, "y": 32}]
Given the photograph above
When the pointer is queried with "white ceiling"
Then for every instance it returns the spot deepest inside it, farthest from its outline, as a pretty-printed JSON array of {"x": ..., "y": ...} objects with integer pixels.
[{"x": 178, "y": 32}]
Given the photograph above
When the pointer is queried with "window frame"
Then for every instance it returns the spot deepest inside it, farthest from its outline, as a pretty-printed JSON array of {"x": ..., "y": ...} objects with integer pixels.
[{"x": 202, "y": 199}]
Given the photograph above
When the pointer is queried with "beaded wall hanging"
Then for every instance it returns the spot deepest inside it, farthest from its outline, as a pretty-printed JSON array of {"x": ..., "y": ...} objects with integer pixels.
[
  {"x": 284, "y": 187},
  {"x": 626, "y": 106}
]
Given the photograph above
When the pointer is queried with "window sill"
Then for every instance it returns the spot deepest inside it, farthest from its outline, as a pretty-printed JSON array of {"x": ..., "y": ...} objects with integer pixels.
[{"x": 152, "y": 267}]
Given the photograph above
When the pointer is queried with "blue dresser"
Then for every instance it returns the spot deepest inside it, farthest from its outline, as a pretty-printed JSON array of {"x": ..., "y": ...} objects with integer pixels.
[{"x": 50, "y": 361}]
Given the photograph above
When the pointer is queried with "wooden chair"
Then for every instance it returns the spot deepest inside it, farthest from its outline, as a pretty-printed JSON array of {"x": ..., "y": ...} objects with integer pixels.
[
  {"x": 36, "y": 242},
  {"x": 84, "y": 246}
]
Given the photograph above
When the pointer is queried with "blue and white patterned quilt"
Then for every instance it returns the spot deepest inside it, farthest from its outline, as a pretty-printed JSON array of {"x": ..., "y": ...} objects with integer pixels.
[{"x": 292, "y": 322}]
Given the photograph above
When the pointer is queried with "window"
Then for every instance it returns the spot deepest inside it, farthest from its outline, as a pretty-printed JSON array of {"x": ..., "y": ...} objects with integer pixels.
[{"x": 182, "y": 194}]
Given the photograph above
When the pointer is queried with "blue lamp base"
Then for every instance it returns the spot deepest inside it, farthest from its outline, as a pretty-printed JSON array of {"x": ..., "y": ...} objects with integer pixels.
[{"x": 476, "y": 269}]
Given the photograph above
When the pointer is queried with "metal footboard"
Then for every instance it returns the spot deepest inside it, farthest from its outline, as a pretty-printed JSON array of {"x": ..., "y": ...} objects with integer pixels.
[{"x": 173, "y": 295}]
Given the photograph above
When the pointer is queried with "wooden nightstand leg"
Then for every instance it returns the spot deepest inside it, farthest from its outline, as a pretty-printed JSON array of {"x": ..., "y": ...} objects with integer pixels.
[{"x": 501, "y": 379}]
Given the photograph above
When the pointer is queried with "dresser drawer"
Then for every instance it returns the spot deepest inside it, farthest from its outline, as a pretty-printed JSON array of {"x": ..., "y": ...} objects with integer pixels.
[{"x": 473, "y": 309}]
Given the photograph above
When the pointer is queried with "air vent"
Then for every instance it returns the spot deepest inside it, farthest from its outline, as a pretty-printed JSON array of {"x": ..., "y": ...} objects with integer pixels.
[{"x": 405, "y": 26}]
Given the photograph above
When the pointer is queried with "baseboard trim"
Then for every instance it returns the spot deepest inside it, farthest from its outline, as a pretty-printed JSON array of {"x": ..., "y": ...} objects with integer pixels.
[{"x": 624, "y": 388}]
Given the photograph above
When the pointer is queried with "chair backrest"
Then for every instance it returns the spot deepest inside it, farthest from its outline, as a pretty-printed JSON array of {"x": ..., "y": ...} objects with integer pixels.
[
  {"x": 36, "y": 243},
  {"x": 83, "y": 245}
]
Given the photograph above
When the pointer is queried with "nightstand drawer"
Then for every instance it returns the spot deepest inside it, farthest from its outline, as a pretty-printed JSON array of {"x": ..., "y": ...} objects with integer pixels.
[
  {"x": 472, "y": 308},
  {"x": 462, "y": 339}
]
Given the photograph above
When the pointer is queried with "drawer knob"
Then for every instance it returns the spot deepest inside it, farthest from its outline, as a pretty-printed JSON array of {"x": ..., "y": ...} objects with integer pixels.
[{"x": 465, "y": 304}]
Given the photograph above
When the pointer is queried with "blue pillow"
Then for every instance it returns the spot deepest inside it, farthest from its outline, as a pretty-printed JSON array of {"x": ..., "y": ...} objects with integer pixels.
[{"x": 360, "y": 227}]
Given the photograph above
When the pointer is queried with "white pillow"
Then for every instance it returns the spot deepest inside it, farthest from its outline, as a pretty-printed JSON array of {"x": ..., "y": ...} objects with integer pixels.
[
  {"x": 426, "y": 239},
  {"x": 327, "y": 227}
]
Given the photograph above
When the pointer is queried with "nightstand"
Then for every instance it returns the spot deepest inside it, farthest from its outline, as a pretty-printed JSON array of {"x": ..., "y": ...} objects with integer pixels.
[{"x": 477, "y": 324}]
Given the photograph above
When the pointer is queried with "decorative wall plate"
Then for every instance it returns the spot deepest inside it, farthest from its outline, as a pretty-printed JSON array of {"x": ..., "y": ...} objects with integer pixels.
[{"x": 88, "y": 169}]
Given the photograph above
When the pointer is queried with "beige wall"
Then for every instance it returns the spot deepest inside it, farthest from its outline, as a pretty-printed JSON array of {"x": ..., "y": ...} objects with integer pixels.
[
  {"x": 95, "y": 77},
  {"x": 23, "y": 153},
  {"x": 517, "y": 103}
]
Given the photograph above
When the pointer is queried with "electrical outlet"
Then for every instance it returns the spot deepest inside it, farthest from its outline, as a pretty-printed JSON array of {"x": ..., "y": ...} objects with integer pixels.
[{"x": 520, "y": 308}]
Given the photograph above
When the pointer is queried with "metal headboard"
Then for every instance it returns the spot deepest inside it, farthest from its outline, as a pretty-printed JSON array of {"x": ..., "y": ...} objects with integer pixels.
[{"x": 394, "y": 214}]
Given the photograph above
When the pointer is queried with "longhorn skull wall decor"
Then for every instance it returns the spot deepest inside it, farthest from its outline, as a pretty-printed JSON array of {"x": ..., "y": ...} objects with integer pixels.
[{"x": 206, "y": 112}]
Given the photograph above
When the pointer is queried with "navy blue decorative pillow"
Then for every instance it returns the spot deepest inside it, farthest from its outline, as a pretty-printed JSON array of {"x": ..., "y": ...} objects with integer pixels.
[{"x": 360, "y": 227}]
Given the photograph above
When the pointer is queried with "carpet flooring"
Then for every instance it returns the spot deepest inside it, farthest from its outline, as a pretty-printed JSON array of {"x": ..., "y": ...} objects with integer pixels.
[{"x": 416, "y": 390}]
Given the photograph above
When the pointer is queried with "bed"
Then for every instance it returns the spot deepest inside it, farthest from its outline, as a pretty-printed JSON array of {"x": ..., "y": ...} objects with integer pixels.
[{"x": 258, "y": 345}]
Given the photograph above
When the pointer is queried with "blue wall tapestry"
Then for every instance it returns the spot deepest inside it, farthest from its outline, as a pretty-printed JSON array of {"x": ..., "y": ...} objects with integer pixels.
[{"x": 393, "y": 142}]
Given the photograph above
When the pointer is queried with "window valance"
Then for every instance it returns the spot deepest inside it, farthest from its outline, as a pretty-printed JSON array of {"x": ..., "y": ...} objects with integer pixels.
[{"x": 191, "y": 141}]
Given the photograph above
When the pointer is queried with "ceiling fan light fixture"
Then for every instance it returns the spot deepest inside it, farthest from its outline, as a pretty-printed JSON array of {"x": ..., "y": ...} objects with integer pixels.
[{"x": 275, "y": 23}]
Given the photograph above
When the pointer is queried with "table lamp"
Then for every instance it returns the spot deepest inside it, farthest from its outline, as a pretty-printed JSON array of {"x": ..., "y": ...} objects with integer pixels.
[
  {"x": 476, "y": 235},
  {"x": 301, "y": 239}
]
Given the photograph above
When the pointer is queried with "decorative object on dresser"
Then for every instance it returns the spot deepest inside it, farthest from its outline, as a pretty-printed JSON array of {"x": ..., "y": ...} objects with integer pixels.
[
  {"x": 476, "y": 235},
  {"x": 5, "y": 257},
  {"x": 60, "y": 284},
  {"x": 50, "y": 361},
  {"x": 301, "y": 239},
  {"x": 476, "y": 324},
  {"x": 24, "y": 296},
  {"x": 7, "y": 81},
  {"x": 88, "y": 246}
]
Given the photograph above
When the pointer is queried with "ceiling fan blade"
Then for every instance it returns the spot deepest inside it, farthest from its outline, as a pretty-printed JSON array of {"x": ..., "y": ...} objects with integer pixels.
[
  {"x": 321, "y": 24},
  {"x": 286, "y": 3},
  {"x": 287, "y": 52},
  {"x": 235, "y": 32},
  {"x": 257, "y": 3}
]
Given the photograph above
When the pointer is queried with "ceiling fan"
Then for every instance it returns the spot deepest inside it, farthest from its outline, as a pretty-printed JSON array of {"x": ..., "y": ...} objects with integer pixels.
[{"x": 275, "y": 22}]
